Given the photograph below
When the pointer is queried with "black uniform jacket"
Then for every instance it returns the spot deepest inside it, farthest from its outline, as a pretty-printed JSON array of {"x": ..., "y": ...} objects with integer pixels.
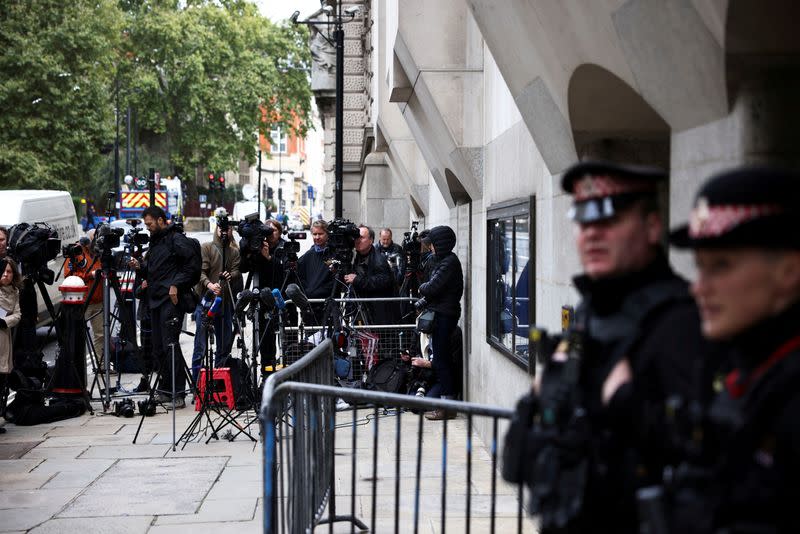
[
  {"x": 662, "y": 346},
  {"x": 374, "y": 280},
  {"x": 446, "y": 285},
  {"x": 756, "y": 420},
  {"x": 314, "y": 273},
  {"x": 272, "y": 272},
  {"x": 168, "y": 264}
]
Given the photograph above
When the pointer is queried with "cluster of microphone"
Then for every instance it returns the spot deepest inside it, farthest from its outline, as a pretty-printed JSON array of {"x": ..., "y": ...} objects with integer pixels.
[{"x": 270, "y": 299}]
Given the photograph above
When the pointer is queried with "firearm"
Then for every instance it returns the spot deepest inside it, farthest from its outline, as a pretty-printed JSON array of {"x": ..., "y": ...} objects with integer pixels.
[{"x": 547, "y": 444}]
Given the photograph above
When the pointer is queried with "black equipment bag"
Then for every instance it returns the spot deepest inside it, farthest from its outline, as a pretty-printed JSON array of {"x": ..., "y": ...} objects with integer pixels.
[{"x": 388, "y": 376}]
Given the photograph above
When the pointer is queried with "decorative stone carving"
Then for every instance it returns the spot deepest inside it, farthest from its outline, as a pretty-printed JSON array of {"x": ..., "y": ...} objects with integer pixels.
[{"x": 323, "y": 62}]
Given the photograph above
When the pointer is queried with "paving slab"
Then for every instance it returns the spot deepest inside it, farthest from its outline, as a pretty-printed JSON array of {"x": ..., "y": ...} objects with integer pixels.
[
  {"x": 22, "y": 519},
  {"x": 16, "y": 500},
  {"x": 55, "y": 452},
  {"x": 216, "y": 511},
  {"x": 96, "y": 525},
  {"x": 18, "y": 466},
  {"x": 23, "y": 481},
  {"x": 15, "y": 450},
  {"x": 148, "y": 487}
]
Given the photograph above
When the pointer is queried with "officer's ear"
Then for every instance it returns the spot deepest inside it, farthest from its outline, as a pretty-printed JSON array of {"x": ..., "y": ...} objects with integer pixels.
[
  {"x": 788, "y": 271},
  {"x": 654, "y": 227}
]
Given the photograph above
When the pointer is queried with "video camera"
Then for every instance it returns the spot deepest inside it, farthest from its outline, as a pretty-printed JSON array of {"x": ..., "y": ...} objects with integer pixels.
[
  {"x": 411, "y": 248},
  {"x": 342, "y": 235},
  {"x": 292, "y": 247},
  {"x": 106, "y": 239},
  {"x": 252, "y": 230},
  {"x": 32, "y": 246}
]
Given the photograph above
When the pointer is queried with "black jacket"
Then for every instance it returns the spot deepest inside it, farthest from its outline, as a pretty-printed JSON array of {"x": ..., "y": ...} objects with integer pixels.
[
  {"x": 272, "y": 272},
  {"x": 446, "y": 285},
  {"x": 374, "y": 279},
  {"x": 756, "y": 424},
  {"x": 662, "y": 346},
  {"x": 315, "y": 275},
  {"x": 394, "y": 250},
  {"x": 168, "y": 264}
]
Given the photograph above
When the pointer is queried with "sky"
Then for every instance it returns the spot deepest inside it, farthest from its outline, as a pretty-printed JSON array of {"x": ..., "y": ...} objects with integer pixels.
[{"x": 277, "y": 10}]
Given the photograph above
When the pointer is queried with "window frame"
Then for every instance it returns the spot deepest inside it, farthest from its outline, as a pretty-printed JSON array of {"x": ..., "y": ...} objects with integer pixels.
[
  {"x": 511, "y": 209},
  {"x": 282, "y": 138}
]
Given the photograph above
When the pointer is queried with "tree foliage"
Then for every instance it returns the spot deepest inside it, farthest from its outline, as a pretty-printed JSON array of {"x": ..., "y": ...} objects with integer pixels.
[
  {"x": 204, "y": 77},
  {"x": 56, "y": 73}
]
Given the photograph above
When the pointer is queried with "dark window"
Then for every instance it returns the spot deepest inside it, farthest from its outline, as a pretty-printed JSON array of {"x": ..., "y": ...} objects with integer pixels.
[{"x": 510, "y": 277}]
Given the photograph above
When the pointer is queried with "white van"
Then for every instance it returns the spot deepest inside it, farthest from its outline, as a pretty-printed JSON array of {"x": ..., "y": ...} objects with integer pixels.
[{"x": 52, "y": 207}]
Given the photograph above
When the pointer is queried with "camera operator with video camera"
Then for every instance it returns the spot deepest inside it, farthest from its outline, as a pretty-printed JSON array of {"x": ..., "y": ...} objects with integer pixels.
[
  {"x": 81, "y": 262},
  {"x": 313, "y": 267},
  {"x": 170, "y": 272},
  {"x": 633, "y": 344},
  {"x": 222, "y": 281},
  {"x": 371, "y": 277}
]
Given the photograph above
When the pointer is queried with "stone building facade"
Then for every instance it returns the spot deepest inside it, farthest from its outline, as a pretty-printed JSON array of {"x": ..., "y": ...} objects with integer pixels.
[{"x": 467, "y": 112}]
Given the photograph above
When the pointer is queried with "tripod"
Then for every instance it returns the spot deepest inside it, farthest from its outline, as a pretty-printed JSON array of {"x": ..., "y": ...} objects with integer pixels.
[
  {"x": 150, "y": 404},
  {"x": 208, "y": 402},
  {"x": 110, "y": 282}
]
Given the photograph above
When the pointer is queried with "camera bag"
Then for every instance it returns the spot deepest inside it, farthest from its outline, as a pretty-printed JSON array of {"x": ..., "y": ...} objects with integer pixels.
[{"x": 425, "y": 321}]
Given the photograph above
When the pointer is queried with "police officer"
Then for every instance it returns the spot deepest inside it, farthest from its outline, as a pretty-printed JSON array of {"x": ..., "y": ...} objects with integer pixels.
[
  {"x": 744, "y": 233},
  {"x": 640, "y": 336}
]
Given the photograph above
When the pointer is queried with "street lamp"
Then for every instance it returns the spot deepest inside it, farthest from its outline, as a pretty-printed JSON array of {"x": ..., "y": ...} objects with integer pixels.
[{"x": 337, "y": 21}]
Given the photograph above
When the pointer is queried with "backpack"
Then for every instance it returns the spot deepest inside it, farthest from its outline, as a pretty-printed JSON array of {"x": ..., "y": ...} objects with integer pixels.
[{"x": 196, "y": 263}]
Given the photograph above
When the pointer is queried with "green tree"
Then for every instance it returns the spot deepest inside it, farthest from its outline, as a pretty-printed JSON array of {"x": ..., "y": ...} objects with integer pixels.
[
  {"x": 206, "y": 77},
  {"x": 56, "y": 79}
]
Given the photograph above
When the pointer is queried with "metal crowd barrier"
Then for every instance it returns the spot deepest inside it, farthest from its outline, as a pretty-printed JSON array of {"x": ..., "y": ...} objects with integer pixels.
[{"x": 381, "y": 489}]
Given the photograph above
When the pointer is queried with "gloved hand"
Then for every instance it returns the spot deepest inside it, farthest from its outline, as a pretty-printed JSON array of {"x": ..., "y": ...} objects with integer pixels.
[{"x": 3, "y": 324}]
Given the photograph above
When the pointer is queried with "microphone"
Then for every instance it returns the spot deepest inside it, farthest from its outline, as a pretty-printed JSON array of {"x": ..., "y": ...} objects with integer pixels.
[
  {"x": 266, "y": 298},
  {"x": 207, "y": 300},
  {"x": 242, "y": 300},
  {"x": 294, "y": 292},
  {"x": 279, "y": 302},
  {"x": 214, "y": 309}
]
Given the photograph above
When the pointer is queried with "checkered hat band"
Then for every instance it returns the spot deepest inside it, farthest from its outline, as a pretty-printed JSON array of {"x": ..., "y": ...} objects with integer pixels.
[
  {"x": 713, "y": 221},
  {"x": 599, "y": 186}
]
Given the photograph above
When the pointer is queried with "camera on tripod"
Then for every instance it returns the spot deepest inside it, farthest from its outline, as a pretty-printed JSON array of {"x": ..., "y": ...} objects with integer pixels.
[
  {"x": 106, "y": 239},
  {"x": 33, "y": 245},
  {"x": 252, "y": 230},
  {"x": 292, "y": 247},
  {"x": 411, "y": 247},
  {"x": 342, "y": 235}
]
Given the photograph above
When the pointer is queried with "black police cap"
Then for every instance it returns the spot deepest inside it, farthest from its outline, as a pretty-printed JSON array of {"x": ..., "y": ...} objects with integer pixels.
[
  {"x": 744, "y": 207},
  {"x": 601, "y": 190}
]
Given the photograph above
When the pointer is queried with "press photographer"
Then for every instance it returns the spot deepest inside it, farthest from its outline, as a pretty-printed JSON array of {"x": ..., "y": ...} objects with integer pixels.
[
  {"x": 172, "y": 269},
  {"x": 371, "y": 277},
  {"x": 221, "y": 276},
  {"x": 81, "y": 262}
]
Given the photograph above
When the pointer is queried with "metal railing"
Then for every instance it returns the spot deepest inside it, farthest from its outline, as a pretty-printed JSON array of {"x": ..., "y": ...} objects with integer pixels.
[{"x": 300, "y": 447}]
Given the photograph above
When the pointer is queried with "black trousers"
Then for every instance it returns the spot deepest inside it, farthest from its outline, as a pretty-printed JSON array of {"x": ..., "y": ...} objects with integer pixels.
[
  {"x": 164, "y": 335},
  {"x": 443, "y": 326}
]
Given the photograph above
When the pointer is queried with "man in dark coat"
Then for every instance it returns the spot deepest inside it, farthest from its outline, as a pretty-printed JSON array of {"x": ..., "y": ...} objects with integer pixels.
[
  {"x": 313, "y": 268},
  {"x": 443, "y": 295},
  {"x": 640, "y": 342},
  {"x": 393, "y": 254},
  {"x": 170, "y": 270},
  {"x": 372, "y": 278}
]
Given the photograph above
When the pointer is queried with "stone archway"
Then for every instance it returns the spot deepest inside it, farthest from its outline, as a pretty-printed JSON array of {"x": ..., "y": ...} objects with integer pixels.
[{"x": 611, "y": 121}]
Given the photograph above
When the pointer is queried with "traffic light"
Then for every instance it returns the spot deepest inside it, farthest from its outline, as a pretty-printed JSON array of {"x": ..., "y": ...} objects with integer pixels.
[
  {"x": 211, "y": 182},
  {"x": 269, "y": 193},
  {"x": 222, "y": 182}
]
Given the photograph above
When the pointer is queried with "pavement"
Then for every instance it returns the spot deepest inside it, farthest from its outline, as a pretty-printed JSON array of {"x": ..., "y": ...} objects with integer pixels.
[{"x": 85, "y": 475}]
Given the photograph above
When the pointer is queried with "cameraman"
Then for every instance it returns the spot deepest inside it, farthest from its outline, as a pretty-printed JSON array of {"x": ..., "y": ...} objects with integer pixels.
[
  {"x": 393, "y": 254},
  {"x": 372, "y": 278},
  {"x": 85, "y": 266},
  {"x": 312, "y": 269},
  {"x": 169, "y": 271},
  {"x": 220, "y": 280},
  {"x": 270, "y": 265}
]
